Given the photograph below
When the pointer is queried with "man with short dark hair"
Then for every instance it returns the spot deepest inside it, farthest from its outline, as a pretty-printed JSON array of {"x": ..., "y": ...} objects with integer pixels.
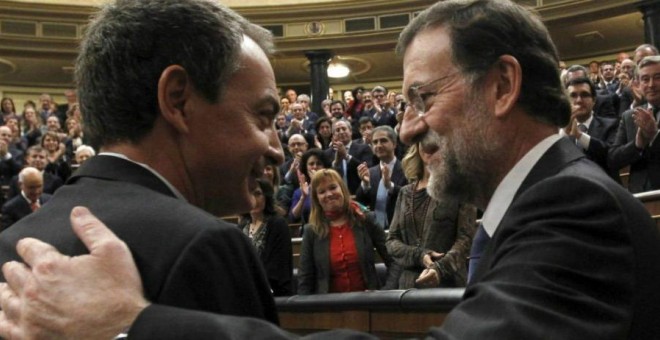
[
  {"x": 605, "y": 105},
  {"x": 184, "y": 134},
  {"x": 347, "y": 155},
  {"x": 36, "y": 157},
  {"x": 592, "y": 134},
  {"x": 609, "y": 82}
]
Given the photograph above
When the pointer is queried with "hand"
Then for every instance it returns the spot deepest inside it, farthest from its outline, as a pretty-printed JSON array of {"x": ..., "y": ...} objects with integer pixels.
[
  {"x": 387, "y": 180},
  {"x": 304, "y": 187},
  {"x": 428, "y": 278},
  {"x": 646, "y": 124},
  {"x": 363, "y": 173},
  {"x": 317, "y": 142},
  {"x": 340, "y": 150},
  {"x": 295, "y": 164},
  {"x": 571, "y": 129},
  {"x": 431, "y": 257},
  {"x": 57, "y": 296}
]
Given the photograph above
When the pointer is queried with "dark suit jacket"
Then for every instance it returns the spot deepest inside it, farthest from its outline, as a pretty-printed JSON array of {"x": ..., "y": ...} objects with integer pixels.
[
  {"x": 17, "y": 208},
  {"x": 602, "y": 132},
  {"x": 644, "y": 164},
  {"x": 51, "y": 183},
  {"x": 368, "y": 197},
  {"x": 574, "y": 257},
  {"x": 186, "y": 257},
  {"x": 606, "y": 105},
  {"x": 359, "y": 153},
  {"x": 314, "y": 271}
]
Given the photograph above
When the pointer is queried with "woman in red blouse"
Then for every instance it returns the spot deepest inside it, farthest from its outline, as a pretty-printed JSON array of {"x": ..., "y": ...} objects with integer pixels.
[{"x": 337, "y": 249}]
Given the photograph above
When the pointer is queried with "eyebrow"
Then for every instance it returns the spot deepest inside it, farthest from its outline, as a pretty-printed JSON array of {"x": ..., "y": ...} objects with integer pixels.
[{"x": 268, "y": 101}]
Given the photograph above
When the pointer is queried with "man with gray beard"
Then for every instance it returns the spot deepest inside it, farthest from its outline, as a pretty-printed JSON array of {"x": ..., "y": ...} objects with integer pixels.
[{"x": 564, "y": 252}]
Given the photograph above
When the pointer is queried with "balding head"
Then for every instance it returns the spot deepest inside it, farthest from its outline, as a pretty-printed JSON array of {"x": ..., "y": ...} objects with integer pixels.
[
  {"x": 297, "y": 145},
  {"x": 32, "y": 183}
]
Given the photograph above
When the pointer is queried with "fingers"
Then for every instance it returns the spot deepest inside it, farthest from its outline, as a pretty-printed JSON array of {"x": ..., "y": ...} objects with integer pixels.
[
  {"x": 91, "y": 231},
  {"x": 32, "y": 250},
  {"x": 16, "y": 275},
  {"x": 10, "y": 303},
  {"x": 9, "y": 329}
]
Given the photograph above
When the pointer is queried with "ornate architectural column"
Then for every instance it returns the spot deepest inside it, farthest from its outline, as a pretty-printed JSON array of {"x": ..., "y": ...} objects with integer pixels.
[{"x": 318, "y": 67}]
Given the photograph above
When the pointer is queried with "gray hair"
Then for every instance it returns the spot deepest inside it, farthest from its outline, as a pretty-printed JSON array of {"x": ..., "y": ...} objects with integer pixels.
[
  {"x": 650, "y": 60},
  {"x": 483, "y": 30},
  {"x": 28, "y": 171},
  {"x": 84, "y": 148},
  {"x": 128, "y": 45},
  {"x": 391, "y": 135}
]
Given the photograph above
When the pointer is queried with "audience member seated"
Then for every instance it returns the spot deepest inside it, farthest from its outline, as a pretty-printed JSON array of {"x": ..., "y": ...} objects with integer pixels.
[
  {"x": 14, "y": 124},
  {"x": 337, "y": 252},
  {"x": 346, "y": 156},
  {"x": 310, "y": 162},
  {"x": 74, "y": 137},
  {"x": 592, "y": 134},
  {"x": 58, "y": 163},
  {"x": 7, "y": 108},
  {"x": 609, "y": 83},
  {"x": 325, "y": 106},
  {"x": 272, "y": 175},
  {"x": 33, "y": 127},
  {"x": 381, "y": 183},
  {"x": 636, "y": 143},
  {"x": 13, "y": 150},
  {"x": 64, "y": 111},
  {"x": 366, "y": 126},
  {"x": 47, "y": 106},
  {"x": 9, "y": 166},
  {"x": 355, "y": 109},
  {"x": 296, "y": 147},
  {"x": 269, "y": 234},
  {"x": 83, "y": 153},
  {"x": 30, "y": 199},
  {"x": 53, "y": 125},
  {"x": 304, "y": 100},
  {"x": 35, "y": 157},
  {"x": 300, "y": 123},
  {"x": 604, "y": 105},
  {"x": 429, "y": 240},
  {"x": 323, "y": 129},
  {"x": 379, "y": 111}
]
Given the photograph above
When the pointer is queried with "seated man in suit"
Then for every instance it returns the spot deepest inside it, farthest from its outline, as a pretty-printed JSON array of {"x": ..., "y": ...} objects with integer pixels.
[
  {"x": 592, "y": 134},
  {"x": 347, "y": 155},
  {"x": 636, "y": 143},
  {"x": 30, "y": 200},
  {"x": 183, "y": 144},
  {"x": 569, "y": 253},
  {"x": 381, "y": 183},
  {"x": 35, "y": 157},
  {"x": 605, "y": 104}
]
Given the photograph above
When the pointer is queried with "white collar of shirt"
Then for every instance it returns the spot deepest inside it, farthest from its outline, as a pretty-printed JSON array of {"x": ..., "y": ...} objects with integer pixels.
[
  {"x": 507, "y": 189},
  {"x": 7, "y": 156},
  {"x": 165, "y": 181},
  {"x": 28, "y": 200},
  {"x": 389, "y": 165},
  {"x": 587, "y": 122}
]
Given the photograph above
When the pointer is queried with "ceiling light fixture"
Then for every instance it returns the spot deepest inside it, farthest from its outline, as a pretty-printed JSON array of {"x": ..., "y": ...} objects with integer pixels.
[{"x": 338, "y": 70}]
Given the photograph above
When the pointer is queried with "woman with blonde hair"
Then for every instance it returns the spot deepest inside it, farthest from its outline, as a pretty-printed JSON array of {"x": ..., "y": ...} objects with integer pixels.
[
  {"x": 429, "y": 239},
  {"x": 337, "y": 250}
]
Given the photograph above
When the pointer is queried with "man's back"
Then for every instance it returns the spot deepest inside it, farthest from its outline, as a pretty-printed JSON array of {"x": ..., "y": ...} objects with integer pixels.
[{"x": 186, "y": 257}]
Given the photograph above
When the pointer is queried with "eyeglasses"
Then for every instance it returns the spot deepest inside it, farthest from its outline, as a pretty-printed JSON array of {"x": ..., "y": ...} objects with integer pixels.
[
  {"x": 583, "y": 95},
  {"x": 418, "y": 100}
]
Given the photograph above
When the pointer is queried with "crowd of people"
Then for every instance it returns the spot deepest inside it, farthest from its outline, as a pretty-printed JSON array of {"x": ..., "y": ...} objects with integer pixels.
[{"x": 45, "y": 136}]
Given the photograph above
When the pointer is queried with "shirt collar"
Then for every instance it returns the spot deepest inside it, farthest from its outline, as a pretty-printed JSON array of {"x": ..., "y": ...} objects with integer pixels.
[
  {"x": 506, "y": 190},
  {"x": 390, "y": 165},
  {"x": 165, "y": 181},
  {"x": 27, "y": 199}
]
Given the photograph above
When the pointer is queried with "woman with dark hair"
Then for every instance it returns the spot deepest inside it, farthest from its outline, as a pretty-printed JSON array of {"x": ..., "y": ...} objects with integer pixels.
[
  {"x": 429, "y": 240},
  {"x": 310, "y": 162},
  {"x": 33, "y": 126},
  {"x": 58, "y": 162},
  {"x": 337, "y": 253},
  {"x": 269, "y": 234},
  {"x": 7, "y": 108},
  {"x": 323, "y": 128},
  {"x": 354, "y": 111}
]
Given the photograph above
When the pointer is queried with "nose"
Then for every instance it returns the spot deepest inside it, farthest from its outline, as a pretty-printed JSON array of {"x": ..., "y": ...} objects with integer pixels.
[
  {"x": 413, "y": 126},
  {"x": 275, "y": 152}
]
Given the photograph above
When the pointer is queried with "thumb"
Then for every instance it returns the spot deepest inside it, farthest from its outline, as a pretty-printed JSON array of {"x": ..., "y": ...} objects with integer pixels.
[{"x": 95, "y": 235}]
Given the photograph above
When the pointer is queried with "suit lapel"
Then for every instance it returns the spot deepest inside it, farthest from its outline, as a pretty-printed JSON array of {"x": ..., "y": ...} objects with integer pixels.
[{"x": 117, "y": 169}]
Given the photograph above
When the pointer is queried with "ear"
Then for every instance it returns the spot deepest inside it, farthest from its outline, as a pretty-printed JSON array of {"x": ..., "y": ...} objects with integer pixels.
[
  {"x": 174, "y": 89},
  {"x": 507, "y": 79}
]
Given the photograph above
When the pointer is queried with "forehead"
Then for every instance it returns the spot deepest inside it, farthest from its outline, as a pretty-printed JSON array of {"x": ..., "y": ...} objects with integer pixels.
[
  {"x": 579, "y": 88},
  {"x": 254, "y": 82},
  {"x": 650, "y": 69},
  {"x": 381, "y": 134},
  {"x": 296, "y": 139},
  {"x": 312, "y": 159},
  {"x": 340, "y": 124},
  {"x": 5, "y": 129},
  {"x": 427, "y": 57}
]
